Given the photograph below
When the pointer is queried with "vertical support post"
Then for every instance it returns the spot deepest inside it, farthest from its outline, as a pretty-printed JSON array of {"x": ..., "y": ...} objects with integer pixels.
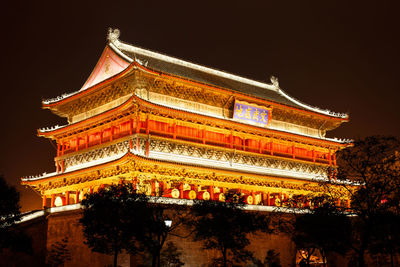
[
  {"x": 268, "y": 199},
  {"x": 174, "y": 130},
  {"x": 87, "y": 140},
  {"x": 231, "y": 140},
  {"x": 334, "y": 159},
  {"x": 53, "y": 198},
  {"x": 77, "y": 196},
  {"x": 111, "y": 132},
  {"x": 330, "y": 157},
  {"x": 204, "y": 136},
  {"x": 130, "y": 126},
  {"x": 62, "y": 166},
  {"x": 153, "y": 188},
  {"x": 180, "y": 190},
  {"x": 77, "y": 144},
  {"x": 272, "y": 148},
  {"x": 147, "y": 125},
  {"x": 67, "y": 198},
  {"x": 313, "y": 155},
  {"x": 259, "y": 146},
  {"x": 62, "y": 148},
  {"x": 211, "y": 191},
  {"x": 57, "y": 167},
  {"x": 44, "y": 201},
  {"x": 58, "y": 149}
]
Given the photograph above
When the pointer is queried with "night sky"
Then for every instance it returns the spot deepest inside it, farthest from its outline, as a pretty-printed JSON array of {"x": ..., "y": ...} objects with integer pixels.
[{"x": 339, "y": 55}]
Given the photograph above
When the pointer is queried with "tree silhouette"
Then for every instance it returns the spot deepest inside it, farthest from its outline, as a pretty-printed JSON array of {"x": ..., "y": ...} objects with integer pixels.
[
  {"x": 58, "y": 253},
  {"x": 118, "y": 218},
  {"x": 109, "y": 219},
  {"x": 271, "y": 260},
  {"x": 373, "y": 165},
  {"x": 152, "y": 231},
  {"x": 325, "y": 229},
  {"x": 170, "y": 256},
  {"x": 224, "y": 226},
  {"x": 11, "y": 237}
]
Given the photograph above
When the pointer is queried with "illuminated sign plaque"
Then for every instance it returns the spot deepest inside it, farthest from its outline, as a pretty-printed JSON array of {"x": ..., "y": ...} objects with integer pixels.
[{"x": 251, "y": 113}]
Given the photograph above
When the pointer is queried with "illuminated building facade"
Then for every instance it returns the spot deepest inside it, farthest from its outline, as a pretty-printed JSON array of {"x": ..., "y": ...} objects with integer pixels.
[{"x": 185, "y": 131}]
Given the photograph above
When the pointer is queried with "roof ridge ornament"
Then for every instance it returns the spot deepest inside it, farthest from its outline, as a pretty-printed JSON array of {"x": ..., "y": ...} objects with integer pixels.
[
  {"x": 113, "y": 35},
  {"x": 274, "y": 82}
]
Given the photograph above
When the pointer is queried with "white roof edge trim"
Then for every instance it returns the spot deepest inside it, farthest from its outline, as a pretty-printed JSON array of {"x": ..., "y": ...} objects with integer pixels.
[
  {"x": 117, "y": 44},
  {"x": 66, "y": 95},
  {"x": 134, "y": 49},
  {"x": 327, "y": 112}
]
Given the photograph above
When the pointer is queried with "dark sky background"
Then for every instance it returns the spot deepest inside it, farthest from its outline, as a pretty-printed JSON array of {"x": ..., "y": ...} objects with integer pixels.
[{"x": 339, "y": 55}]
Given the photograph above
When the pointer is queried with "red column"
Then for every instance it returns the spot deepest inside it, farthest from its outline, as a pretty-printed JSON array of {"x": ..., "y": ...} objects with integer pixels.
[
  {"x": 62, "y": 148},
  {"x": 62, "y": 166},
  {"x": 313, "y": 155},
  {"x": 147, "y": 125},
  {"x": 330, "y": 157},
  {"x": 77, "y": 144},
  {"x": 67, "y": 198},
  {"x": 87, "y": 141},
  {"x": 272, "y": 148},
  {"x": 53, "y": 198},
  {"x": 231, "y": 140},
  {"x": 153, "y": 188},
  {"x": 76, "y": 196},
  {"x": 204, "y": 136},
  {"x": 294, "y": 156},
  {"x": 44, "y": 201},
  {"x": 130, "y": 126},
  {"x": 58, "y": 149},
  {"x": 111, "y": 132},
  {"x": 268, "y": 199},
  {"x": 181, "y": 190},
  {"x": 334, "y": 159},
  {"x": 211, "y": 191},
  {"x": 174, "y": 130},
  {"x": 57, "y": 166}
]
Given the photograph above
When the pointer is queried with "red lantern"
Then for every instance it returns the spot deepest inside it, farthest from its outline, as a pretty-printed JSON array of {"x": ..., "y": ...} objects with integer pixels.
[
  {"x": 172, "y": 193},
  {"x": 204, "y": 195}
]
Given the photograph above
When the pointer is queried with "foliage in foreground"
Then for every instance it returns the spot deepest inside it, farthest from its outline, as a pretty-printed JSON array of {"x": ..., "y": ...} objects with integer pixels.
[
  {"x": 224, "y": 226},
  {"x": 374, "y": 164},
  {"x": 117, "y": 219}
]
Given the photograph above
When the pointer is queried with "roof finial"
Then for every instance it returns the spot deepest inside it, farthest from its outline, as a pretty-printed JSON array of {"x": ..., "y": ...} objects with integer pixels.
[
  {"x": 113, "y": 35},
  {"x": 274, "y": 82}
]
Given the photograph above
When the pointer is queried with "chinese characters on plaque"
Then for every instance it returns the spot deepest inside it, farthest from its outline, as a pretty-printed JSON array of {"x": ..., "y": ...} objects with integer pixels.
[{"x": 251, "y": 113}]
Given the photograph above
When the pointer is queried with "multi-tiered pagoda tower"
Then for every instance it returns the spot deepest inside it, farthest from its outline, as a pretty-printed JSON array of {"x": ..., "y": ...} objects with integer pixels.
[{"x": 182, "y": 130}]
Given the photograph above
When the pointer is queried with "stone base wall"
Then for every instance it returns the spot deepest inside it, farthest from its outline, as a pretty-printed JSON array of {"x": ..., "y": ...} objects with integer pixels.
[{"x": 47, "y": 230}]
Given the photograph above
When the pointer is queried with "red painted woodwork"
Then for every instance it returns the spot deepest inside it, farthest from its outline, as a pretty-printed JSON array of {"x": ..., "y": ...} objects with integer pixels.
[
  {"x": 193, "y": 134},
  {"x": 67, "y": 198},
  {"x": 53, "y": 198}
]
